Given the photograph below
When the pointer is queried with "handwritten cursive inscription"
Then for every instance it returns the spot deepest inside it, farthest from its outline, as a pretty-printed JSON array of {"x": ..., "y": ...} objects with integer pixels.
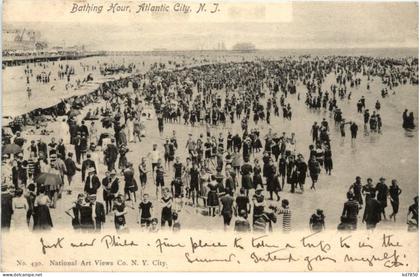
[
  {"x": 202, "y": 244},
  {"x": 318, "y": 258},
  {"x": 389, "y": 260},
  {"x": 271, "y": 257},
  {"x": 322, "y": 245},
  {"x": 56, "y": 244},
  {"x": 191, "y": 260},
  {"x": 116, "y": 241},
  {"x": 83, "y": 244},
  {"x": 161, "y": 244},
  {"x": 259, "y": 242},
  {"x": 387, "y": 242}
]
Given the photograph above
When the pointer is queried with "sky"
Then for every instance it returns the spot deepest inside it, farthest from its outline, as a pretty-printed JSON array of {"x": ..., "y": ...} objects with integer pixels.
[{"x": 285, "y": 25}]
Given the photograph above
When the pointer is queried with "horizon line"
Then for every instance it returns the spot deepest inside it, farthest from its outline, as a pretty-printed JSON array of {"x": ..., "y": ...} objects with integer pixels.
[{"x": 262, "y": 49}]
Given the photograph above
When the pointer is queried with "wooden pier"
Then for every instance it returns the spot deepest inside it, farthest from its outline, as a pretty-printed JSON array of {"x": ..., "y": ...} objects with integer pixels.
[{"x": 17, "y": 60}]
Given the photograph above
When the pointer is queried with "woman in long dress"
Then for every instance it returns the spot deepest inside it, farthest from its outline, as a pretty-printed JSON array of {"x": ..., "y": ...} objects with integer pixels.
[
  {"x": 212, "y": 196},
  {"x": 258, "y": 202},
  {"x": 271, "y": 181},
  {"x": 142, "y": 128},
  {"x": 86, "y": 216},
  {"x": 42, "y": 216},
  {"x": 122, "y": 163},
  {"x": 20, "y": 208},
  {"x": 130, "y": 130},
  {"x": 204, "y": 180},
  {"x": 136, "y": 130},
  {"x": 328, "y": 163},
  {"x": 93, "y": 134},
  {"x": 43, "y": 164}
]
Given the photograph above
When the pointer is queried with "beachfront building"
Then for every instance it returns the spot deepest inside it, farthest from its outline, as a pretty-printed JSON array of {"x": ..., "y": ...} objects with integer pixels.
[{"x": 22, "y": 41}]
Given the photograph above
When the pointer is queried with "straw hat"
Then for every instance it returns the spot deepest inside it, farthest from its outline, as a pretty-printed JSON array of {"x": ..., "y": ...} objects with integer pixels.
[{"x": 90, "y": 170}]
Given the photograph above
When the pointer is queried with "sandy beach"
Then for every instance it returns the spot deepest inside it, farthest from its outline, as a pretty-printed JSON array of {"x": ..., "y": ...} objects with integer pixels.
[{"x": 392, "y": 154}]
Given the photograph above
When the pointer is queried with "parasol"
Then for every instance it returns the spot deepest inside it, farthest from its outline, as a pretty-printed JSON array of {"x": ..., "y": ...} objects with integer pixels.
[
  {"x": 49, "y": 179},
  {"x": 74, "y": 113},
  {"x": 11, "y": 149}
]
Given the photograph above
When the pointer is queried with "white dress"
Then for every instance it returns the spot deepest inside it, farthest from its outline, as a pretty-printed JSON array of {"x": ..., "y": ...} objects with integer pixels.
[
  {"x": 142, "y": 127},
  {"x": 20, "y": 207},
  {"x": 44, "y": 167},
  {"x": 93, "y": 134},
  {"x": 130, "y": 129}
]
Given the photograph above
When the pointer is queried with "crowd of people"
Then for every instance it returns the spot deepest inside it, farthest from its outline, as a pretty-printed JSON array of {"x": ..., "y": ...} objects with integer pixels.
[{"x": 241, "y": 174}]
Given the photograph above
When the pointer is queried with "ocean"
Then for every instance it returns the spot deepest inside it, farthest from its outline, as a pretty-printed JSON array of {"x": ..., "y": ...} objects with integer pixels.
[{"x": 16, "y": 102}]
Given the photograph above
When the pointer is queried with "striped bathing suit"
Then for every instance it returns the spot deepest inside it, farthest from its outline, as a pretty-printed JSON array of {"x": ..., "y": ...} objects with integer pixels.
[{"x": 287, "y": 217}]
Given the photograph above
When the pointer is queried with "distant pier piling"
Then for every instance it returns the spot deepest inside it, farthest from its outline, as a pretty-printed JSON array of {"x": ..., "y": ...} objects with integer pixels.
[{"x": 16, "y": 60}]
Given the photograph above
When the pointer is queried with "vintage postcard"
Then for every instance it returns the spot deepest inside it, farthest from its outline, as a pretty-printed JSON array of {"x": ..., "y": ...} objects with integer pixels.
[{"x": 209, "y": 136}]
